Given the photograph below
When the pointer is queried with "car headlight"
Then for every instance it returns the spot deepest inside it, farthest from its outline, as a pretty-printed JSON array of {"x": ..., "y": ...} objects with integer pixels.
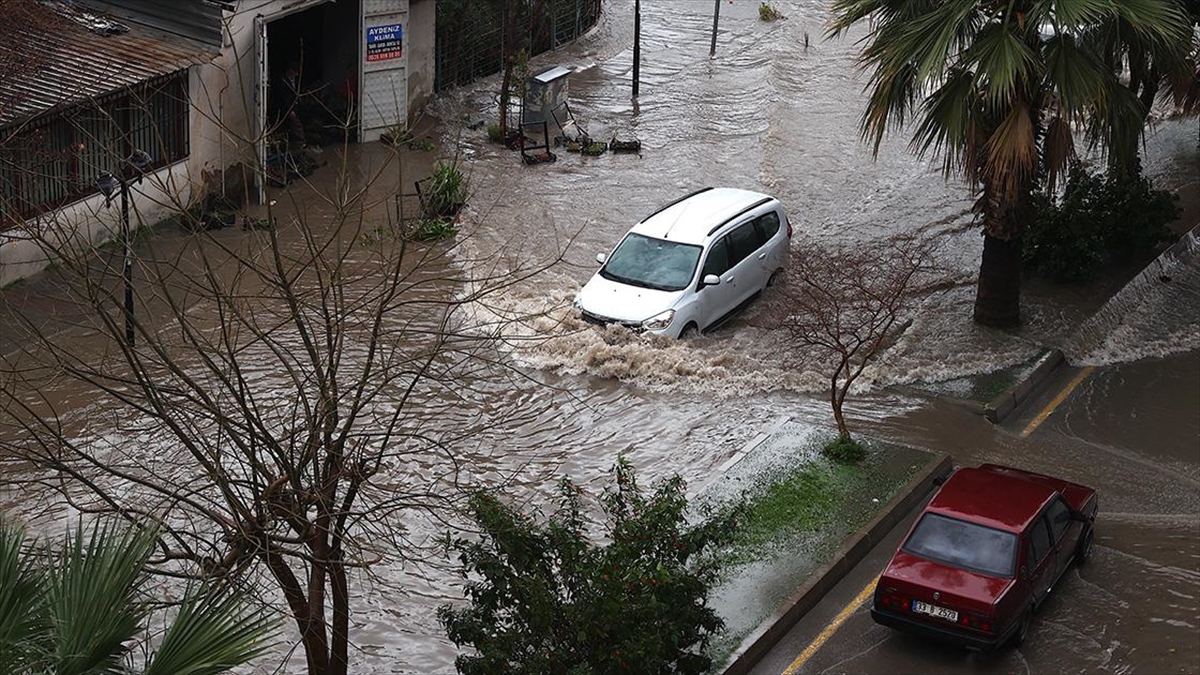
[{"x": 659, "y": 321}]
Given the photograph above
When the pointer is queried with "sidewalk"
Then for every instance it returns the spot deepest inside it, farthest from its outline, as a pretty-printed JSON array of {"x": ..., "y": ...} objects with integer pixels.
[{"x": 772, "y": 582}]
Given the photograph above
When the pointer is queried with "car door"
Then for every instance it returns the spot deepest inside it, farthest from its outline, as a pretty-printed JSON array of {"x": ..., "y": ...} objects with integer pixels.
[
  {"x": 1064, "y": 536},
  {"x": 770, "y": 255},
  {"x": 745, "y": 270},
  {"x": 1041, "y": 564},
  {"x": 713, "y": 302}
]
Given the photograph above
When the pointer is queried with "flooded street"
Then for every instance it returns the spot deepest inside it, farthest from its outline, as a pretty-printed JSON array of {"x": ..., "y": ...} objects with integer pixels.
[{"x": 768, "y": 115}]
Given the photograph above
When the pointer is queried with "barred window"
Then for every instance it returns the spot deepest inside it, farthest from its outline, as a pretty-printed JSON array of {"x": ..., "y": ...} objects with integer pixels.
[{"x": 54, "y": 160}]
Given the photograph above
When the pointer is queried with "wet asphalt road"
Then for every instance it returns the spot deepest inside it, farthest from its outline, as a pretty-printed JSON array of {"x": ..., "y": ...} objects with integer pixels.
[{"x": 1133, "y": 432}]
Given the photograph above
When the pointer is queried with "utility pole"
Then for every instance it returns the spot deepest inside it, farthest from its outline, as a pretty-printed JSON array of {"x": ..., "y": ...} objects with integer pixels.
[
  {"x": 712, "y": 51},
  {"x": 637, "y": 44}
]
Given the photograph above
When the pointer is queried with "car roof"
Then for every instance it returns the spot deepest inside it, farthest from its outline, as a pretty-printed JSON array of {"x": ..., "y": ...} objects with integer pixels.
[
  {"x": 691, "y": 219},
  {"x": 996, "y": 496}
]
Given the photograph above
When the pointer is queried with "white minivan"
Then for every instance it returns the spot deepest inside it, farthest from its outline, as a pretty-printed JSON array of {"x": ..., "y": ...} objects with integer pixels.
[{"x": 691, "y": 264}]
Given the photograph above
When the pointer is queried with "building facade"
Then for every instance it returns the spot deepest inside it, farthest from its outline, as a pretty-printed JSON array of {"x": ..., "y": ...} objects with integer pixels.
[{"x": 191, "y": 87}]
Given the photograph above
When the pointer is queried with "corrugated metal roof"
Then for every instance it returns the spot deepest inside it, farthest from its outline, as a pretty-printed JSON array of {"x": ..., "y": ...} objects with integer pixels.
[
  {"x": 191, "y": 19},
  {"x": 84, "y": 58}
]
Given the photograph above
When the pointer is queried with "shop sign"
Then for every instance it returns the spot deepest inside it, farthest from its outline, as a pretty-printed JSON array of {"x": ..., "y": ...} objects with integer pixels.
[{"x": 384, "y": 42}]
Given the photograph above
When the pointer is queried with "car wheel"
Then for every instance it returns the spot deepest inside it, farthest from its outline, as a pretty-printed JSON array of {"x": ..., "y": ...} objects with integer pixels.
[
  {"x": 1084, "y": 551},
  {"x": 1022, "y": 631},
  {"x": 689, "y": 332},
  {"x": 774, "y": 278}
]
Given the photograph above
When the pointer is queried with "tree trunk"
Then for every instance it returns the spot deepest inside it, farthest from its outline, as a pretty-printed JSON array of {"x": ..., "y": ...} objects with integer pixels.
[
  {"x": 835, "y": 401},
  {"x": 509, "y": 57},
  {"x": 998, "y": 295}
]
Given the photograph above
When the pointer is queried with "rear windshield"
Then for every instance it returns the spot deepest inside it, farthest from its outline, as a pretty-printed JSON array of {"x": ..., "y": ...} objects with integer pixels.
[
  {"x": 966, "y": 545},
  {"x": 652, "y": 263}
]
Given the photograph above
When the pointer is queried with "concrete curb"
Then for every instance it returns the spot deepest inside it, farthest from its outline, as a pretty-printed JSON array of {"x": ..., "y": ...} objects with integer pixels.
[
  {"x": 1003, "y": 405},
  {"x": 759, "y": 642}
]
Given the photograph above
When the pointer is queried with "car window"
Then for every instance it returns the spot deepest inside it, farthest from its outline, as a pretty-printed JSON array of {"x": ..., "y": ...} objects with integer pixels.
[
  {"x": 742, "y": 242},
  {"x": 717, "y": 261},
  {"x": 1039, "y": 540},
  {"x": 961, "y": 544},
  {"x": 1059, "y": 515},
  {"x": 768, "y": 225},
  {"x": 652, "y": 263}
]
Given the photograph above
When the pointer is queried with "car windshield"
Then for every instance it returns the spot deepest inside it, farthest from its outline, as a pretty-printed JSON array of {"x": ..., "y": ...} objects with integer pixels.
[
  {"x": 966, "y": 545},
  {"x": 652, "y": 263}
]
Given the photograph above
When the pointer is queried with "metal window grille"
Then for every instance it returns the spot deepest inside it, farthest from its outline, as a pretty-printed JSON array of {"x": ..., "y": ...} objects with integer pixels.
[
  {"x": 54, "y": 160},
  {"x": 470, "y": 40}
]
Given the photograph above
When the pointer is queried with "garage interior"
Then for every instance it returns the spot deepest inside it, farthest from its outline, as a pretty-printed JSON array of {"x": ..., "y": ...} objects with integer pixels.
[{"x": 322, "y": 42}]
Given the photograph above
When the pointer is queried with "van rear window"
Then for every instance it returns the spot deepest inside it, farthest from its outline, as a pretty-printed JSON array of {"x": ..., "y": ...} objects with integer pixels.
[{"x": 969, "y": 546}]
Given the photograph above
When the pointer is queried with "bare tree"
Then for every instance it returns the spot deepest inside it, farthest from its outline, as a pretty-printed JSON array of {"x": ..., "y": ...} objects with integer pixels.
[
  {"x": 848, "y": 304},
  {"x": 272, "y": 416}
]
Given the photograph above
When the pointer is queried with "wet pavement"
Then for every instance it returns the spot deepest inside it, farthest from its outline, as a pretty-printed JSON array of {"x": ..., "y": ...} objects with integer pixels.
[
  {"x": 764, "y": 115},
  {"x": 1130, "y": 430}
]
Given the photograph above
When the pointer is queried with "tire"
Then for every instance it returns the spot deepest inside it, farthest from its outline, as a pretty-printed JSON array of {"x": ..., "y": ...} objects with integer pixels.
[
  {"x": 689, "y": 332},
  {"x": 1084, "y": 551},
  {"x": 774, "y": 278},
  {"x": 1022, "y": 633}
]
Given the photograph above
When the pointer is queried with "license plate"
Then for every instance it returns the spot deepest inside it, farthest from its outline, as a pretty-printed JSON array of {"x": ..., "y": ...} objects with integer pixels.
[{"x": 933, "y": 610}]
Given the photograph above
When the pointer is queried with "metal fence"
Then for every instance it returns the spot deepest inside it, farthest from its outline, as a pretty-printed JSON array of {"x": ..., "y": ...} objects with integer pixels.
[{"x": 470, "y": 35}]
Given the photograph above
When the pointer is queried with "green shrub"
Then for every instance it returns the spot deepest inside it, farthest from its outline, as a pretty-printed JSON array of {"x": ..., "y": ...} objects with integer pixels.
[
  {"x": 845, "y": 450},
  {"x": 493, "y": 132},
  {"x": 1097, "y": 219},
  {"x": 768, "y": 12},
  {"x": 445, "y": 191},
  {"x": 544, "y": 597},
  {"x": 433, "y": 229}
]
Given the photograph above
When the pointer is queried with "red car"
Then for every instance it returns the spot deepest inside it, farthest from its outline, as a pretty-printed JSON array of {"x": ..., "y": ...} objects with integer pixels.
[{"x": 984, "y": 555}]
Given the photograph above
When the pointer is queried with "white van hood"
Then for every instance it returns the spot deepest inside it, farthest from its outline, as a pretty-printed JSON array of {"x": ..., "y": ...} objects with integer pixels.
[{"x": 630, "y": 304}]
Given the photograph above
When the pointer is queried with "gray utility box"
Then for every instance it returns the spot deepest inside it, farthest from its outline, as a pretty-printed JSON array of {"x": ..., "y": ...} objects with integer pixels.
[{"x": 544, "y": 93}]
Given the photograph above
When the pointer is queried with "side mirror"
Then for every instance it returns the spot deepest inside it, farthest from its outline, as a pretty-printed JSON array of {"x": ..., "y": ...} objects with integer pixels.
[
  {"x": 601, "y": 257},
  {"x": 711, "y": 280}
]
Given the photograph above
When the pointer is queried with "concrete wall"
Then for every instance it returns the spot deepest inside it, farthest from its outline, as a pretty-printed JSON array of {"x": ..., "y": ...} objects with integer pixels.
[{"x": 91, "y": 222}]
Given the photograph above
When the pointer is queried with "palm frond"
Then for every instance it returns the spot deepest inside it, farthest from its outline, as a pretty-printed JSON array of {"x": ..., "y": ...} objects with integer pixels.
[
  {"x": 24, "y": 628},
  {"x": 93, "y": 598},
  {"x": 212, "y": 633}
]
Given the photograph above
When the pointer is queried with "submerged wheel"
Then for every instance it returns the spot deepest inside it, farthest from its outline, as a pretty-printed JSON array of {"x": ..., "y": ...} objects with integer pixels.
[
  {"x": 689, "y": 332},
  {"x": 1084, "y": 551},
  {"x": 1022, "y": 631}
]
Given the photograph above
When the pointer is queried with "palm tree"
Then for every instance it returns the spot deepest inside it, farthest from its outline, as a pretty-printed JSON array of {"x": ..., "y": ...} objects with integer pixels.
[
  {"x": 998, "y": 88},
  {"x": 1150, "y": 69},
  {"x": 81, "y": 610}
]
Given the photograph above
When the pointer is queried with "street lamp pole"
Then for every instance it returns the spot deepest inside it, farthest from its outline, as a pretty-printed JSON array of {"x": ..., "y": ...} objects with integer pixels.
[
  {"x": 140, "y": 161},
  {"x": 128, "y": 273}
]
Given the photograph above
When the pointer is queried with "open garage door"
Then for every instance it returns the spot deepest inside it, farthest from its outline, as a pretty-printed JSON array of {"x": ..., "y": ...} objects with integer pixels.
[{"x": 383, "y": 81}]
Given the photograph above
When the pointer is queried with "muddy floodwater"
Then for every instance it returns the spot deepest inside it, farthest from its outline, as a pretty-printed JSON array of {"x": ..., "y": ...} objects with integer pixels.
[{"x": 765, "y": 114}]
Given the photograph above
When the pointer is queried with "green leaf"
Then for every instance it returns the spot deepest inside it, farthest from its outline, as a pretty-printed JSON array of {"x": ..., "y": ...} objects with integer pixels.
[
  {"x": 212, "y": 633},
  {"x": 24, "y": 621},
  {"x": 93, "y": 598}
]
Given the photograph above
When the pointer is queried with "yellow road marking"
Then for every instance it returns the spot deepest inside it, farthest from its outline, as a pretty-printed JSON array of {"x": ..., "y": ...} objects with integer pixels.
[
  {"x": 1057, "y": 401},
  {"x": 832, "y": 627}
]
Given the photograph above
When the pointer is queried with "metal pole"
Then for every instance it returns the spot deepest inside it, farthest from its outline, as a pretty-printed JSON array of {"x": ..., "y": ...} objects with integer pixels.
[
  {"x": 637, "y": 43},
  {"x": 128, "y": 262},
  {"x": 712, "y": 51}
]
